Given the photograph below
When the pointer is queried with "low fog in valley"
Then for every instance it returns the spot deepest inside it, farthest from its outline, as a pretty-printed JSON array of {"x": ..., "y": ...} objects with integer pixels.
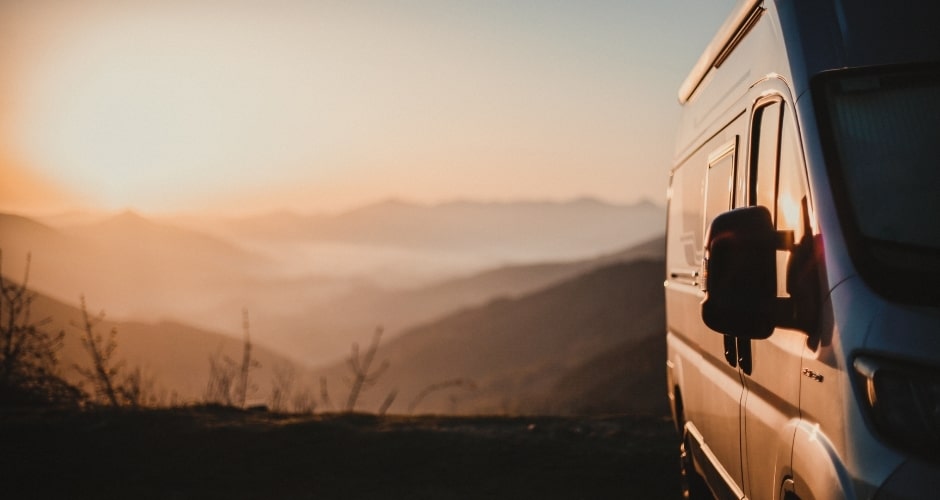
[{"x": 484, "y": 307}]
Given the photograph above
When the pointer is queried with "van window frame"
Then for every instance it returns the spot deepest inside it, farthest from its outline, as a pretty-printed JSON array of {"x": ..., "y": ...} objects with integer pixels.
[
  {"x": 721, "y": 153},
  {"x": 749, "y": 197}
]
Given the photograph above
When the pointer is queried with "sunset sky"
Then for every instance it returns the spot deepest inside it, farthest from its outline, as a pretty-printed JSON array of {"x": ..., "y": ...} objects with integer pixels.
[{"x": 246, "y": 106}]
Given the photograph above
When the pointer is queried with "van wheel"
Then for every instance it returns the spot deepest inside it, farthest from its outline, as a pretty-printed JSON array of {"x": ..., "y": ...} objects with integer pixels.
[{"x": 693, "y": 485}]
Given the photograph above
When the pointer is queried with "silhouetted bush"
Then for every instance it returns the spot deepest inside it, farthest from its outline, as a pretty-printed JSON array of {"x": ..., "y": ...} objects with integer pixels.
[
  {"x": 28, "y": 353},
  {"x": 281, "y": 387},
  {"x": 111, "y": 383},
  {"x": 229, "y": 382},
  {"x": 362, "y": 378}
]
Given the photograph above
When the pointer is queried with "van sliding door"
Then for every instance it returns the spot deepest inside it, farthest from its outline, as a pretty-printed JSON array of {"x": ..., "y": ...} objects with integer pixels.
[{"x": 701, "y": 188}]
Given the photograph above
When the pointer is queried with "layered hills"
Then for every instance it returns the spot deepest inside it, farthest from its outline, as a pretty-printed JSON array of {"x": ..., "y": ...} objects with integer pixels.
[
  {"x": 564, "y": 336},
  {"x": 588, "y": 344},
  {"x": 313, "y": 282},
  {"x": 174, "y": 359}
]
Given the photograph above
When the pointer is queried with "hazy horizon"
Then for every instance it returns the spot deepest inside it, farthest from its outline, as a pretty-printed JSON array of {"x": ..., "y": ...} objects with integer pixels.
[
  {"x": 78, "y": 215},
  {"x": 314, "y": 283}
]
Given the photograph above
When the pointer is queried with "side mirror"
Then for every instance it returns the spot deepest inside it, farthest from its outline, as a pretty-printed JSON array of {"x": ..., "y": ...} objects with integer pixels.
[{"x": 740, "y": 276}]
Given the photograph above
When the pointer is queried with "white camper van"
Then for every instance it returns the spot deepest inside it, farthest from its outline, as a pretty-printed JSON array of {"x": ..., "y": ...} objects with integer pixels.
[{"x": 803, "y": 261}]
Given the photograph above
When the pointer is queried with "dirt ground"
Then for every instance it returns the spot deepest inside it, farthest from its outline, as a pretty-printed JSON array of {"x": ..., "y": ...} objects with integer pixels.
[{"x": 211, "y": 452}]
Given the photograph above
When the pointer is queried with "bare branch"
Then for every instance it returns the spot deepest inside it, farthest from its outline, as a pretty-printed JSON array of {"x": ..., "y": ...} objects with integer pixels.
[
  {"x": 459, "y": 382},
  {"x": 325, "y": 394},
  {"x": 388, "y": 401},
  {"x": 103, "y": 371},
  {"x": 28, "y": 362},
  {"x": 362, "y": 379},
  {"x": 281, "y": 386}
]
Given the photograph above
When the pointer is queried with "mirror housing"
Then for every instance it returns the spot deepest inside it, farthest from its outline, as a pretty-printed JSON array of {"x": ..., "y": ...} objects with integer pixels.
[{"x": 740, "y": 275}]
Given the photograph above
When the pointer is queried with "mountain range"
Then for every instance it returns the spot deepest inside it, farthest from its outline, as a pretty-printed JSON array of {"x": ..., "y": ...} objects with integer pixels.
[
  {"x": 312, "y": 283},
  {"x": 590, "y": 343},
  {"x": 532, "y": 231},
  {"x": 582, "y": 337},
  {"x": 368, "y": 308}
]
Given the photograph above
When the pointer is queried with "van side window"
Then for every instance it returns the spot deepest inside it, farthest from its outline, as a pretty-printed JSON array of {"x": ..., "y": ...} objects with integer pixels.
[
  {"x": 685, "y": 220},
  {"x": 791, "y": 185},
  {"x": 778, "y": 183},
  {"x": 797, "y": 270},
  {"x": 765, "y": 135},
  {"x": 719, "y": 190},
  {"x": 699, "y": 190}
]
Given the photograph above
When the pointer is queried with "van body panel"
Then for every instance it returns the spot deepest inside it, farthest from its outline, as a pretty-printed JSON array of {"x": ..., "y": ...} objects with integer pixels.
[
  {"x": 725, "y": 89},
  {"x": 835, "y": 437},
  {"x": 918, "y": 324},
  {"x": 719, "y": 47},
  {"x": 803, "y": 411},
  {"x": 818, "y": 470},
  {"x": 771, "y": 408}
]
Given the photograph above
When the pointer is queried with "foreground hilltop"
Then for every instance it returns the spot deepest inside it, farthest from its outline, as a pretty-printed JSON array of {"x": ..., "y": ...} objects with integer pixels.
[{"x": 213, "y": 452}]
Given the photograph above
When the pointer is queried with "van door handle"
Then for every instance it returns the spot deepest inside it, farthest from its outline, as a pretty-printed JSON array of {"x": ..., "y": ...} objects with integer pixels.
[{"x": 689, "y": 278}]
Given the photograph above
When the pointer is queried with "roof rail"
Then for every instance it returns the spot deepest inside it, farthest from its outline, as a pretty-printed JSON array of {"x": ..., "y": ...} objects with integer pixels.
[{"x": 735, "y": 27}]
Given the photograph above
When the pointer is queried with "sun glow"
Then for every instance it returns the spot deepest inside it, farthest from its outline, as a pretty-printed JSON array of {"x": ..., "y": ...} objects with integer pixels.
[{"x": 180, "y": 106}]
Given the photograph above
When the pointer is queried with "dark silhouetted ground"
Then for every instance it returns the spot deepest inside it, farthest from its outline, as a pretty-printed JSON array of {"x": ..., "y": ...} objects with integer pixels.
[{"x": 211, "y": 452}]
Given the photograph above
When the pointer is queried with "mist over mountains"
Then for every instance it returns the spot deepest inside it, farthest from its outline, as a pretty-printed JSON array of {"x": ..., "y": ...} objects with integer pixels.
[
  {"x": 313, "y": 282},
  {"x": 514, "y": 230},
  {"x": 534, "y": 307},
  {"x": 591, "y": 343},
  {"x": 400, "y": 244}
]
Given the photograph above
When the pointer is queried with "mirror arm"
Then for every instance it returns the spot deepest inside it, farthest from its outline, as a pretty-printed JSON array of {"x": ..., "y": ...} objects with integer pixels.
[
  {"x": 783, "y": 313},
  {"x": 785, "y": 316},
  {"x": 785, "y": 240}
]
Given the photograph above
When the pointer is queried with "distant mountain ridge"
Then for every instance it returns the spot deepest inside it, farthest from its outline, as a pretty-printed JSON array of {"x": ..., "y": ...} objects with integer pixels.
[
  {"x": 590, "y": 343},
  {"x": 575, "y": 225},
  {"x": 398, "y": 309},
  {"x": 133, "y": 265},
  {"x": 304, "y": 303},
  {"x": 130, "y": 230},
  {"x": 531, "y": 230},
  {"x": 587, "y": 335}
]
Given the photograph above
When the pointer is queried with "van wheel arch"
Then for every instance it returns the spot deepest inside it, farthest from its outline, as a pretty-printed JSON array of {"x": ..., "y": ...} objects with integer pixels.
[
  {"x": 692, "y": 483},
  {"x": 678, "y": 413},
  {"x": 786, "y": 490}
]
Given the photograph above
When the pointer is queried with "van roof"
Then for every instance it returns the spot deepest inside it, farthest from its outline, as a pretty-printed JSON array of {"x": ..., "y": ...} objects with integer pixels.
[
  {"x": 721, "y": 45},
  {"x": 822, "y": 35}
]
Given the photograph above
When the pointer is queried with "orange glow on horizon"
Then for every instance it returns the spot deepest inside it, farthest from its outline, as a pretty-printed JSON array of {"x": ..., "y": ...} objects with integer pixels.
[
  {"x": 185, "y": 106},
  {"x": 24, "y": 191}
]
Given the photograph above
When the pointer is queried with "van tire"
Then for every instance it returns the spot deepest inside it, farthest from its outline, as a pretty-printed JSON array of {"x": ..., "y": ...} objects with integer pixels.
[{"x": 693, "y": 484}]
